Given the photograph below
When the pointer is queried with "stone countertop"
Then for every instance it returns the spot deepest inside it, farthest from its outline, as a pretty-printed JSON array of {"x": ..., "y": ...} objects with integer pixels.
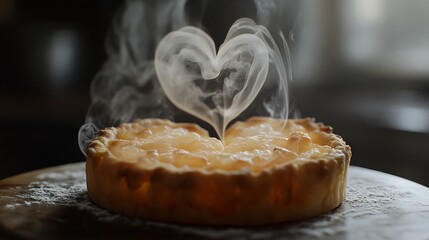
[{"x": 52, "y": 203}]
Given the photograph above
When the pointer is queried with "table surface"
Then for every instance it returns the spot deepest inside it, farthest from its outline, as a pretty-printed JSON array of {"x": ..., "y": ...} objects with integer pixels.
[{"x": 52, "y": 203}]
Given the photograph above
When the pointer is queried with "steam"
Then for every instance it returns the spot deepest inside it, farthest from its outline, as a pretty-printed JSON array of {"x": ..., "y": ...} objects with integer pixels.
[
  {"x": 230, "y": 85},
  {"x": 126, "y": 87},
  {"x": 213, "y": 88}
]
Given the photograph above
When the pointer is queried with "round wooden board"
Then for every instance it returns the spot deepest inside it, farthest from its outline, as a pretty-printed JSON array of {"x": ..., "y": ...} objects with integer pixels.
[{"x": 52, "y": 203}]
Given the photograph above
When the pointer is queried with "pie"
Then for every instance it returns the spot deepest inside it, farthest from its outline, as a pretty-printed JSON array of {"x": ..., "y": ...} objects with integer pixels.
[{"x": 266, "y": 171}]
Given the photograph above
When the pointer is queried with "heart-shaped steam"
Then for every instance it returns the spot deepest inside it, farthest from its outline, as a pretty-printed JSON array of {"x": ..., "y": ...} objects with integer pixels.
[{"x": 214, "y": 88}]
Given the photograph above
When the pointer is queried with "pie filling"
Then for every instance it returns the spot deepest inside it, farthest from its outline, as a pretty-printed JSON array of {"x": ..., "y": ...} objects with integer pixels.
[{"x": 255, "y": 147}]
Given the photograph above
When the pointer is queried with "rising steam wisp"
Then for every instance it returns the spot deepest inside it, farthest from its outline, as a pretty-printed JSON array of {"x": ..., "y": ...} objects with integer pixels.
[{"x": 127, "y": 87}]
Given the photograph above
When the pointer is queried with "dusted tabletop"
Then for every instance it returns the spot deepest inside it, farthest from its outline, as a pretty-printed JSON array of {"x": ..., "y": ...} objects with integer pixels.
[{"x": 52, "y": 203}]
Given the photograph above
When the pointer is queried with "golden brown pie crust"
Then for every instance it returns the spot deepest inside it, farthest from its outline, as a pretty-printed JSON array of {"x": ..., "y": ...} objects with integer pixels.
[{"x": 299, "y": 171}]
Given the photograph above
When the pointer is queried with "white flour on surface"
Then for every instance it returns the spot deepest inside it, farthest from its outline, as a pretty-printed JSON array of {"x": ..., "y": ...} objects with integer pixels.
[
  {"x": 65, "y": 189},
  {"x": 69, "y": 189},
  {"x": 370, "y": 204}
]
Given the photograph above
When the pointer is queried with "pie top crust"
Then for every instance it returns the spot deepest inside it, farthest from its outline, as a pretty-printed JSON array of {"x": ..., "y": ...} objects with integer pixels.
[{"x": 266, "y": 171}]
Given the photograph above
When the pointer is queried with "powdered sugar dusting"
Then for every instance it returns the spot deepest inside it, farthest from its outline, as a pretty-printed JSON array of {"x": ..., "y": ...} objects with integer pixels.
[
  {"x": 372, "y": 203},
  {"x": 66, "y": 188},
  {"x": 62, "y": 188}
]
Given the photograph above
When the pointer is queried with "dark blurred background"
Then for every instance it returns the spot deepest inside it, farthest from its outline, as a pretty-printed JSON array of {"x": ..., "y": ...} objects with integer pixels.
[
  {"x": 49, "y": 52},
  {"x": 361, "y": 66}
]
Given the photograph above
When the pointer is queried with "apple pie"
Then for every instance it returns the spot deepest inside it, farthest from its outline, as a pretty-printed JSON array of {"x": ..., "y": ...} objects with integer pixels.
[{"x": 265, "y": 171}]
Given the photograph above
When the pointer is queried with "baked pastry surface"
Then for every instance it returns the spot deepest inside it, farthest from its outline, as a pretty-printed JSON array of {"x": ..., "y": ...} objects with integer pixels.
[{"x": 266, "y": 171}]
